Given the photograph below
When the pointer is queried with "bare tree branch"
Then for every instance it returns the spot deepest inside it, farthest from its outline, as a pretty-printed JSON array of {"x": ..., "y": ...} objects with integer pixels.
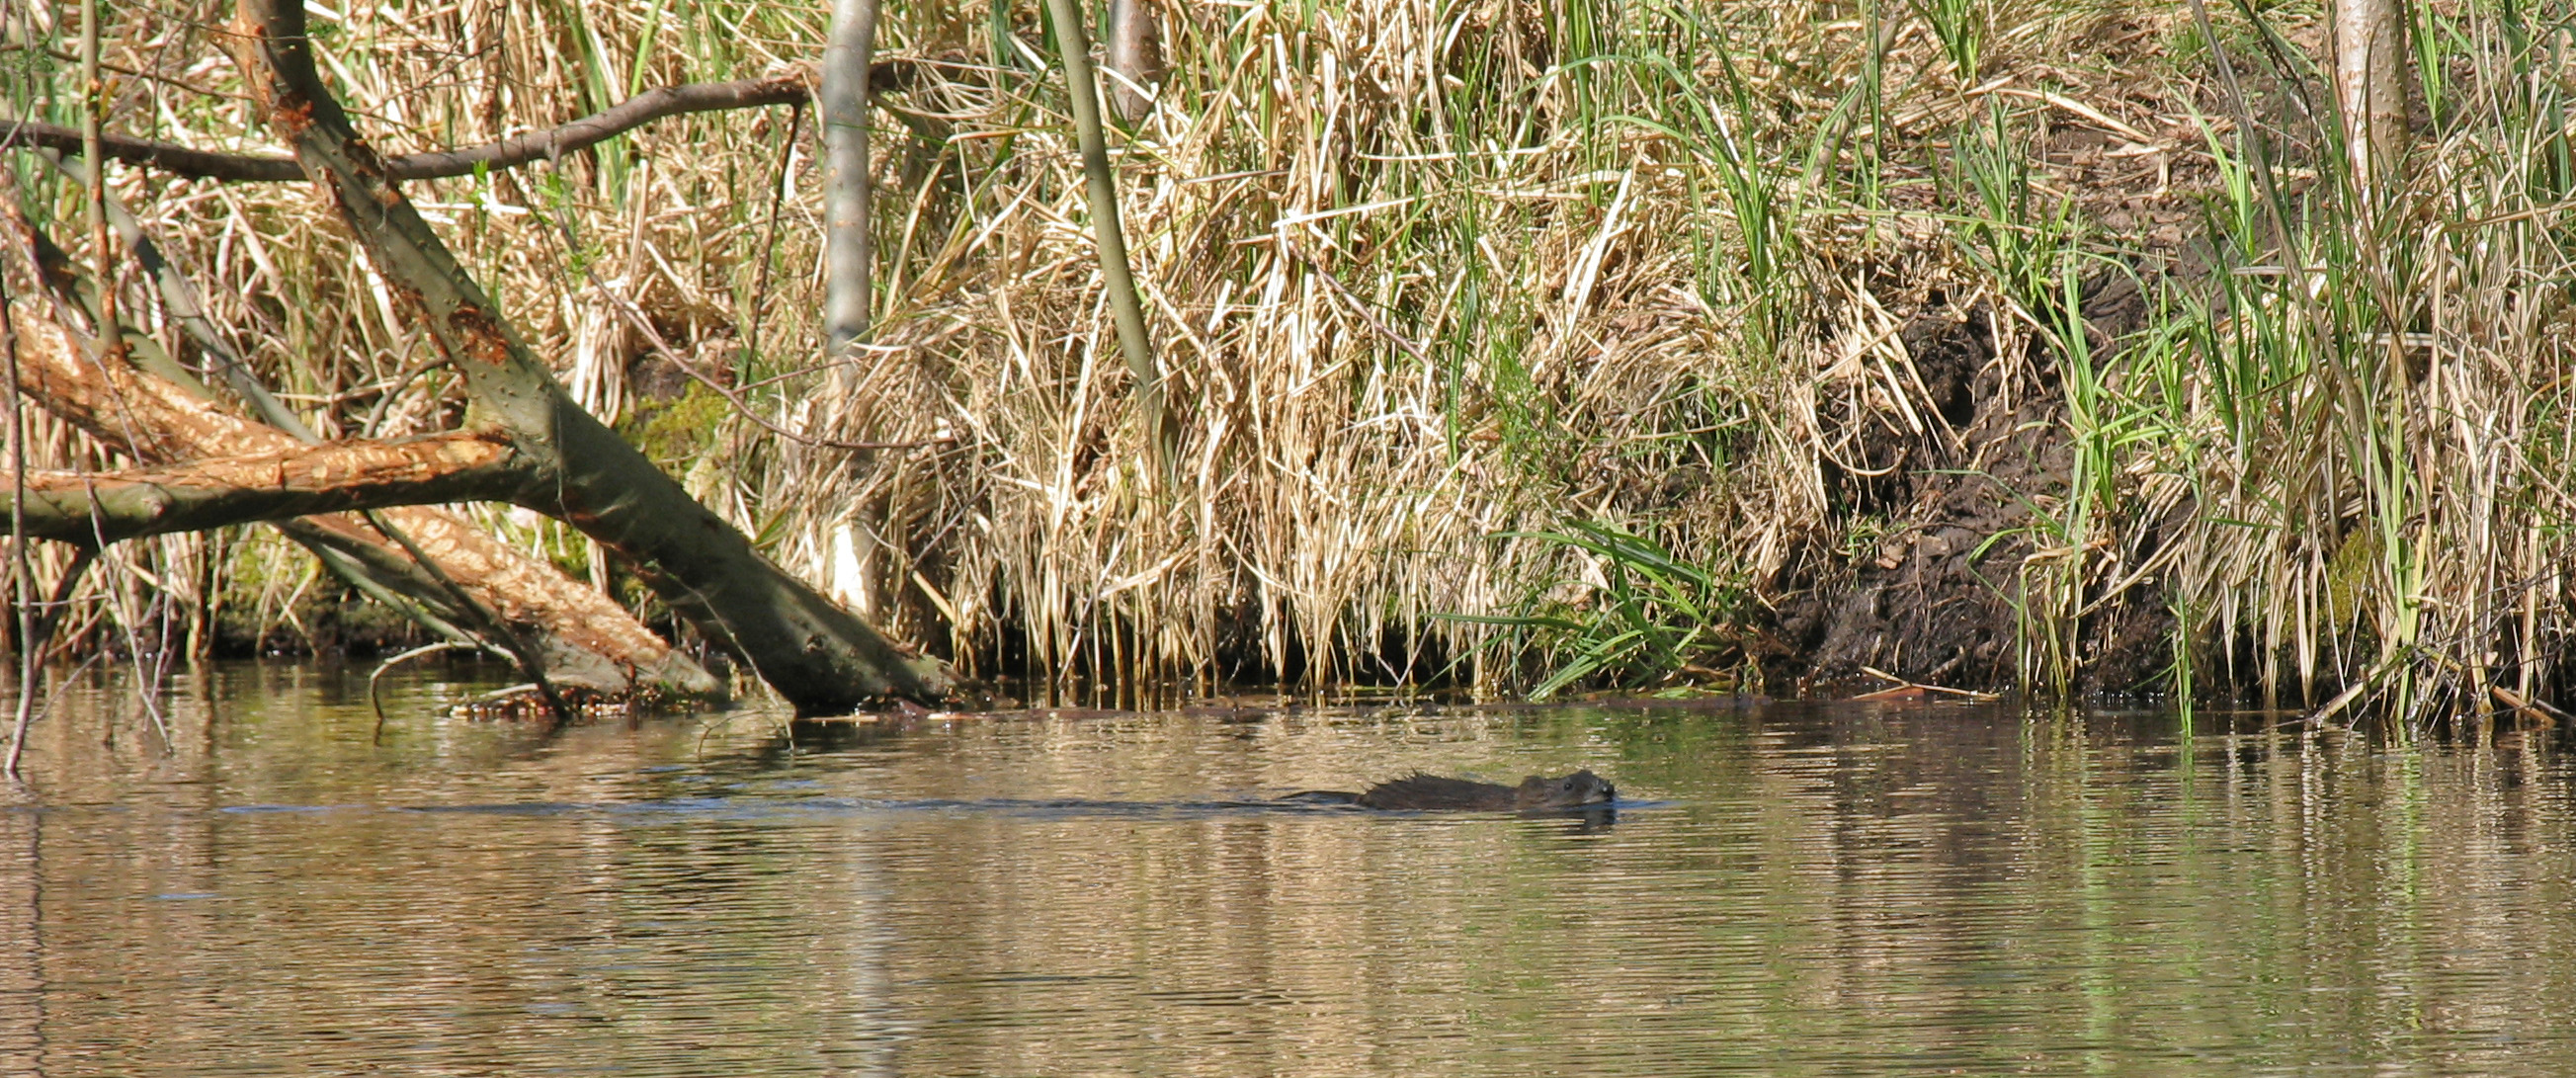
[
  {"x": 458, "y": 466},
  {"x": 816, "y": 654},
  {"x": 2371, "y": 72},
  {"x": 849, "y": 254},
  {"x": 791, "y": 88},
  {"x": 1117, "y": 279},
  {"x": 587, "y": 637}
]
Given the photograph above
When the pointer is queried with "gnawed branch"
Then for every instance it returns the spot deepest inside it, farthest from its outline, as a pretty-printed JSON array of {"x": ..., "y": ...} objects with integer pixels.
[
  {"x": 817, "y": 655},
  {"x": 587, "y": 638},
  {"x": 101, "y": 508}
]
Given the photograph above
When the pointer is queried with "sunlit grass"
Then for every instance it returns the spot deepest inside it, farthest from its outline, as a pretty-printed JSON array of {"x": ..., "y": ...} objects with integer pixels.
[{"x": 1456, "y": 296}]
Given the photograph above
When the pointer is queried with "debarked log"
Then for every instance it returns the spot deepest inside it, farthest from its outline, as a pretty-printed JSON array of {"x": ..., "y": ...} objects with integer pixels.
[
  {"x": 584, "y": 637},
  {"x": 820, "y": 657},
  {"x": 96, "y": 509}
]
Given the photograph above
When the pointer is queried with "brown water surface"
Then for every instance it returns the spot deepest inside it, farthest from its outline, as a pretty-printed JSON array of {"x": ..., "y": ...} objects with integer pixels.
[{"x": 1787, "y": 890}]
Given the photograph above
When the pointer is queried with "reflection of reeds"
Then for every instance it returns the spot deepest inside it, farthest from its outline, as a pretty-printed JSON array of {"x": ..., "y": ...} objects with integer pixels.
[
  {"x": 1811, "y": 878},
  {"x": 1427, "y": 274}
]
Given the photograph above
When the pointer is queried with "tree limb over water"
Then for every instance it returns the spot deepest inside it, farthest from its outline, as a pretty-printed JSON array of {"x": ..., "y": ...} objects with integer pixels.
[
  {"x": 586, "y": 637},
  {"x": 532, "y": 445},
  {"x": 96, "y": 509},
  {"x": 817, "y": 655}
]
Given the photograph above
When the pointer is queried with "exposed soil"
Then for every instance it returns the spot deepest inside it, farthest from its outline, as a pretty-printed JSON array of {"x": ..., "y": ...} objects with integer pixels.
[{"x": 1935, "y": 601}]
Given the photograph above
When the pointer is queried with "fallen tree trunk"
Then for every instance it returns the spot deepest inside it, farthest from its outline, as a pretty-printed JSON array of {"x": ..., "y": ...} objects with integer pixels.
[
  {"x": 297, "y": 481},
  {"x": 818, "y": 656},
  {"x": 581, "y": 636},
  {"x": 531, "y": 445}
]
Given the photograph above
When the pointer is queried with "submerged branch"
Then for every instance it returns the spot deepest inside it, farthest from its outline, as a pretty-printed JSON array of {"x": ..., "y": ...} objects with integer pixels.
[{"x": 794, "y": 87}]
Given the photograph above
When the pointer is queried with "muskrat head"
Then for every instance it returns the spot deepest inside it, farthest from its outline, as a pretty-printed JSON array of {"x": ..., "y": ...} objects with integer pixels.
[{"x": 1569, "y": 791}]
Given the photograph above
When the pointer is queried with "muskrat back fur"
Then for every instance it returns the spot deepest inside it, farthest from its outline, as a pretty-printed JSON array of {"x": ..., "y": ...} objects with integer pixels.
[{"x": 1535, "y": 793}]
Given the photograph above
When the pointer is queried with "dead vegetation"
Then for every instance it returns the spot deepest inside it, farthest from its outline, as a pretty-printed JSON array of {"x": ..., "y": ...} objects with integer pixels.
[{"x": 1807, "y": 294}]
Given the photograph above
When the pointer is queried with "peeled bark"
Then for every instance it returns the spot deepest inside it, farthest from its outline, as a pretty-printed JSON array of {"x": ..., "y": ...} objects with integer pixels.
[
  {"x": 581, "y": 635},
  {"x": 96, "y": 509},
  {"x": 812, "y": 652}
]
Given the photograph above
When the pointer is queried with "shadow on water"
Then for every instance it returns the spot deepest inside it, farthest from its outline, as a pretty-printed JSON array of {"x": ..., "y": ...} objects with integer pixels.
[{"x": 1788, "y": 889}]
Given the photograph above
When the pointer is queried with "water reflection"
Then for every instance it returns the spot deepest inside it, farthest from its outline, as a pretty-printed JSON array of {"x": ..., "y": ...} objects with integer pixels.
[{"x": 1809, "y": 890}]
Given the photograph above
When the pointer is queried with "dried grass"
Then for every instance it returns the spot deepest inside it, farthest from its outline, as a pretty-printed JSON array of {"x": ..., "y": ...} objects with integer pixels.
[{"x": 1424, "y": 274}]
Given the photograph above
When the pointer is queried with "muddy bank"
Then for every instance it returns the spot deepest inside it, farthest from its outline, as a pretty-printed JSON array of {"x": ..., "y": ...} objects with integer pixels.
[{"x": 1956, "y": 515}]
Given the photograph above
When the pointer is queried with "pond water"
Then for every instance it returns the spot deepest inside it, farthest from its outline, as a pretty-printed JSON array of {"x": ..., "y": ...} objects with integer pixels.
[{"x": 1785, "y": 890}]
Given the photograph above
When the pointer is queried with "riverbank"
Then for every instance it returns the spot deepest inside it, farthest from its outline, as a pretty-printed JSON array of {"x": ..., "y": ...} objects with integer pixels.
[{"x": 1614, "y": 344}]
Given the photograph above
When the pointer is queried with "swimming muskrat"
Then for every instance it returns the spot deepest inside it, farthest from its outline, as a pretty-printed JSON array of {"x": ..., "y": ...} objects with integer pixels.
[{"x": 1419, "y": 791}]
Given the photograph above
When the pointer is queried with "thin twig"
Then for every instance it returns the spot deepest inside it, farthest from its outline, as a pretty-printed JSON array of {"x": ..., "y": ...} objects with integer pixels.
[
  {"x": 494, "y": 627},
  {"x": 36, "y": 648},
  {"x": 513, "y": 152},
  {"x": 129, "y": 72},
  {"x": 22, "y": 593},
  {"x": 377, "y": 702},
  {"x": 102, "y": 253},
  {"x": 769, "y": 238},
  {"x": 1411, "y": 347},
  {"x": 52, "y": 700},
  {"x": 148, "y": 671},
  {"x": 1904, "y": 689}
]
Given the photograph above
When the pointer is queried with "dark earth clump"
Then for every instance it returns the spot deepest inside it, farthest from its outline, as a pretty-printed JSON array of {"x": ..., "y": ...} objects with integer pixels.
[{"x": 1936, "y": 599}]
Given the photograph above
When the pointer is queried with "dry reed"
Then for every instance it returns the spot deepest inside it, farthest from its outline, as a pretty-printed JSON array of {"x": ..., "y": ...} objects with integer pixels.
[{"x": 1428, "y": 278}]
